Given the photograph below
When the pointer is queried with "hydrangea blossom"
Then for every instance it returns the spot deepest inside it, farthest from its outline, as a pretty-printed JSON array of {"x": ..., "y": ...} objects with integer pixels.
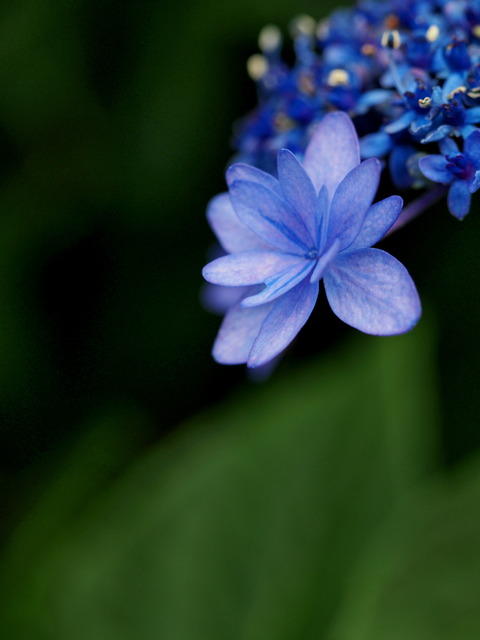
[
  {"x": 283, "y": 236},
  {"x": 459, "y": 170},
  {"x": 406, "y": 71}
]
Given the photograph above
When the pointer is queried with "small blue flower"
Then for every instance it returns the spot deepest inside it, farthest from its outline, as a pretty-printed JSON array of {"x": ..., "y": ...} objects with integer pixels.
[
  {"x": 459, "y": 170},
  {"x": 315, "y": 222}
]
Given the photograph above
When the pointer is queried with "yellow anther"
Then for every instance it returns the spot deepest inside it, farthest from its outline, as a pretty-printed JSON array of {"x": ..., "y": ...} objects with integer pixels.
[
  {"x": 432, "y": 33},
  {"x": 269, "y": 38},
  {"x": 303, "y": 25},
  {"x": 257, "y": 66},
  {"x": 424, "y": 103},
  {"x": 455, "y": 91},
  {"x": 337, "y": 78},
  {"x": 391, "y": 39},
  {"x": 476, "y": 31}
]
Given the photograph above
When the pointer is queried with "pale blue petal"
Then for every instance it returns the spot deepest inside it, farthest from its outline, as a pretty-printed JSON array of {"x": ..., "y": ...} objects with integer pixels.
[
  {"x": 401, "y": 123},
  {"x": 238, "y": 332},
  {"x": 437, "y": 134},
  {"x": 434, "y": 168},
  {"x": 467, "y": 130},
  {"x": 373, "y": 292},
  {"x": 448, "y": 146},
  {"x": 232, "y": 234},
  {"x": 471, "y": 148},
  {"x": 420, "y": 125},
  {"x": 287, "y": 317},
  {"x": 280, "y": 283},
  {"x": 333, "y": 152},
  {"x": 380, "y": 217},
  {"x": 375, "y": 145},
  {"x": 473, "y": 115},
  {"x": 324, "y": 261},
  {"x": 459, "y": 198},
  {"x": 453, "y": 81},
  {"x": 476, "y": 182},
  {"x": 321, "y": 216},
  {"x": 298, "y": 189},
  {"x": 248, "y": 173},
  {"x": 352, "y": 201},
  {"x": 271, "y": 218},
  {"x": 248, "y": 267},
  {"x": 219, "y": 300}
]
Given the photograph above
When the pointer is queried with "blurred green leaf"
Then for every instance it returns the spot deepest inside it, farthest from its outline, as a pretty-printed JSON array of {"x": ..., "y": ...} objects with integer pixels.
[
  {"x": 246, "y": 523},
  {"x": 421, "y": 578}
]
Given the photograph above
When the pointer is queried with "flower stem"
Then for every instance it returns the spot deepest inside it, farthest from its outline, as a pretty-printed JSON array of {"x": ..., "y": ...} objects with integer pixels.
[{"x": 418, "y": 205}]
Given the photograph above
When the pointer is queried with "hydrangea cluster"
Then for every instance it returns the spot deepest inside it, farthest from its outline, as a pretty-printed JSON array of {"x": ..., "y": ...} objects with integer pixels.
[
  {"x": 406, "y": 71},
  {"x": 388, "y": 85}
]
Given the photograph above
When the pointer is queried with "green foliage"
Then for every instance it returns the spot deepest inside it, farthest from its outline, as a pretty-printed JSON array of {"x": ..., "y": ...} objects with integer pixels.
[
  {"x": 247, "y": 522},
  {"x": 421, "y": 576}
]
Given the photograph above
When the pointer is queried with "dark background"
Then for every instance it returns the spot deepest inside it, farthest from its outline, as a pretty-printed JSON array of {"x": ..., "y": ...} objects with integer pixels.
[{"x": 115, "y": 121}]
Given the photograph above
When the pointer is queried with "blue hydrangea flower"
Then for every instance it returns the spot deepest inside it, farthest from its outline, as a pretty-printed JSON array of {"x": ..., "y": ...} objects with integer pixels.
[
  {"x": 315, "y": 222},
  {"x": 459, "y": 170}
]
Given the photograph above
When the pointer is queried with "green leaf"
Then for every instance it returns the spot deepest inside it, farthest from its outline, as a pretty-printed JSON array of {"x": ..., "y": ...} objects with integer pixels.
[
  {"x": 245, "y": 523},
  {"x": 421, "y": 578}
]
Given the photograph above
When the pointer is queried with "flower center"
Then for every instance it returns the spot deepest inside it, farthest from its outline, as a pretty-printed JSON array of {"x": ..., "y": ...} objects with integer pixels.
[{"x": 311, "y": 255}]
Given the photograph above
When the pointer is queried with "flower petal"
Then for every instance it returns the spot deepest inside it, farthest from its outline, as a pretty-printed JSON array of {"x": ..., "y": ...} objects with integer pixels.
[
  {"x": 333, "y": 152},
  {"x": 380, "y": 217},
  {"x": 471, "y": 148},
  {"x": 232, "y": 234},
  {"x": 459, "y": 198},
  {"x": 400, "y": 123},
  {"x": 473, "y": 115},
  {"x": 437, "y": 134},
  {"x": 272, "y": 218},
  {"x": 351, "y": 202},
  {"x": 476, "y": 182},
  {"x": 219, "y": 300},
  {"x": 298, "y": 189},
  {"x": 286, "y": 318},
  {"x": 238, "y": 332},
  {"x": 280, "y": 283},
  {"x": 375, "y": 145},
  {"x": 373, "y": 292},
  {"x": 246, "y": 172},
  {"x": 434, "y": 168},
  {"x": 248, "y": 267}
]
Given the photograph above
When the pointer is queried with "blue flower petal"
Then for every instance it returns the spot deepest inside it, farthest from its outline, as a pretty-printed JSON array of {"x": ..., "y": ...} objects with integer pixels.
[
  {"x": 238, "y": 332},
  {"x": 448, "y": 146},
  {"x": 403, "y": 122},
  {"x": 287, "y": 317},
  {"x": 248, "y": 267},
  {"x": 473, "y": 115},
  {"x": 232, "y": 234},
  {"x": 434, "y": 168},
  {"x": 280, "y": 283},
  {"x": 272, "y": 218},
  {"x": 459, "y": 199},
  {"x": 476, "y": 182},
  {"x": 352, "y": 201},
  {"x": 380, "y": 217},
  {"x": 321, "y": 216},
  {"x": 437, "y": 134},
  {"x": 375, "y": 145},
  {"x": 246, "y": 172},
  {"x": 332, "y": 152},
  {"x": 471, "y": 148},
  {"x": 298, "y": 189},
  {"x": 398, "y": 166},
  {"x": 373, "y": 292}
]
